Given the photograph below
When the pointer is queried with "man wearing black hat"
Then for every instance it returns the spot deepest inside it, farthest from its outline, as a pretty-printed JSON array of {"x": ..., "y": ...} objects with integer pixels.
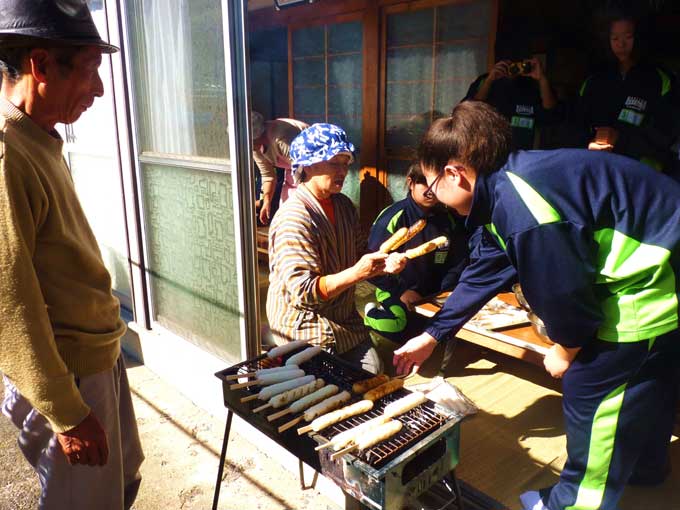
[{"x": 60, "y": 328}]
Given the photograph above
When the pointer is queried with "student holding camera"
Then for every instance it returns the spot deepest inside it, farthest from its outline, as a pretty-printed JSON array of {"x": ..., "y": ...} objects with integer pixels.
[{"x": 519, "y": 89}]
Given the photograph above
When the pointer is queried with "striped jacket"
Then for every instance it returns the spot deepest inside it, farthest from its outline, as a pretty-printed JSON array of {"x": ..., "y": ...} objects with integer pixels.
[{"x": 303, "y": 246}]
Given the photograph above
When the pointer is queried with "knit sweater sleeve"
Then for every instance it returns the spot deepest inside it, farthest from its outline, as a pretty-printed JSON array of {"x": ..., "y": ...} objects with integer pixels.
[
  {"x": 28, "y": 351},
  {"x": 266, "y": 167}
]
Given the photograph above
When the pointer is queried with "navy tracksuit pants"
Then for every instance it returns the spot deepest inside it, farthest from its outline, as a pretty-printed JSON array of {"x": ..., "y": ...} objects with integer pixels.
[{"x": 619, "y": 406}]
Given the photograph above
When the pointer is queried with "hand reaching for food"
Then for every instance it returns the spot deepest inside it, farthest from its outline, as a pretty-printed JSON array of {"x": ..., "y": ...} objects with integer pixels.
[{"x": 395, "y": 263}]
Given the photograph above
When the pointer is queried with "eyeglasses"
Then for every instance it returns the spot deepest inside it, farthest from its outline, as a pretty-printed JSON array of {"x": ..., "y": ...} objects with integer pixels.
[{"x": 431, "y": 189}]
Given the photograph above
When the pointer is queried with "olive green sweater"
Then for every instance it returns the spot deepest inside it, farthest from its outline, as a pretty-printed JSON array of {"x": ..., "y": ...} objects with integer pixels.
[{"x": 58, "y": 317}]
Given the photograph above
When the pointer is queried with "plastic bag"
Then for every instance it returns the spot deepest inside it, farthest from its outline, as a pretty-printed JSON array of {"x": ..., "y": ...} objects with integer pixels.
[{"x": 448, "y": 396}]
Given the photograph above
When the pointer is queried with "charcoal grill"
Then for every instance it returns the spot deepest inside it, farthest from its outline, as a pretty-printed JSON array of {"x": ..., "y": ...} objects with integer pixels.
[{"x": 382, "y": 477}]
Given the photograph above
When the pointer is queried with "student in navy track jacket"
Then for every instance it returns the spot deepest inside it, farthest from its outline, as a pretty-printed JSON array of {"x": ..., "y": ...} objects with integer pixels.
[
  {"x": 631, "y": 106},
  {"x": 435, "y": 272},
  {"x": 594, "y": 239}
]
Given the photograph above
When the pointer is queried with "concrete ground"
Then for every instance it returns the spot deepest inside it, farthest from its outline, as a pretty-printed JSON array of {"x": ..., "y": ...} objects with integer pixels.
[{"x": 182, "y": 445}]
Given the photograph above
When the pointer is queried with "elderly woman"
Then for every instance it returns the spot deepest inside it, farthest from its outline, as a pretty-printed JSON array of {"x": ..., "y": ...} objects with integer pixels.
[{"x": 313, "y": 253}]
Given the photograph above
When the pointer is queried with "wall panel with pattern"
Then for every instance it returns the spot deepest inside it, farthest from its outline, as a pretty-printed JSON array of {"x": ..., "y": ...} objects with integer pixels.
[{"x": 192, "y": 256}]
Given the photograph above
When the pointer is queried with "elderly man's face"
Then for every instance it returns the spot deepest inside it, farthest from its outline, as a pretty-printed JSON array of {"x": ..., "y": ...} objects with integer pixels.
[{"x": 72, "y": 90}]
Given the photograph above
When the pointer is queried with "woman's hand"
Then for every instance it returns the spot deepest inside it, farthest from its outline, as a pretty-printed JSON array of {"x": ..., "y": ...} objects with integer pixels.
[
  {"x": 413, "y": 353},
  {"x": 536, "y": 69},
  {"x": 395, "y": 263},
  {"x": 500, "y": 70},
  {"x": 370, "y": 265},
  {"x": 409, "y": 297},
  {"x": 265, "y": 211}
]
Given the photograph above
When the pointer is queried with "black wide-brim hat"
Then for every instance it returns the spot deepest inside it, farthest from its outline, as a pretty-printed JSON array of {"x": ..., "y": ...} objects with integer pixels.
[{"x": 49, "y": 22}]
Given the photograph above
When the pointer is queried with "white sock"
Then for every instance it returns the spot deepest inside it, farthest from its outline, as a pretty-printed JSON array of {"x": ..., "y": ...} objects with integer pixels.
[
  {"x": 531, "y": 500},
  {"x": 370, "y": 306}
]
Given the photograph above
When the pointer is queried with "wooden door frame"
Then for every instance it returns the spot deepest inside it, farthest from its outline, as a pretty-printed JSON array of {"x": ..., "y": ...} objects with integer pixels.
[
  {"x": 402, "y": 7},
  {"x": 369, "y": 175},
  {"x": 374, "y": 193}
]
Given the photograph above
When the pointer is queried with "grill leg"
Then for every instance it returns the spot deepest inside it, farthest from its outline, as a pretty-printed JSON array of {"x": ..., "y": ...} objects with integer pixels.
[
  {"x": 223, "y": 457},
  {"x": 453, "y": 480},
  {"x": 301, "y": 469},
  {"x": 353, "y": 504}
]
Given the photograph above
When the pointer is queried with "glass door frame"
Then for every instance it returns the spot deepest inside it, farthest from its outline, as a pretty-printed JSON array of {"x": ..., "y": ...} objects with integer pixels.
[
  {"x": 238, "y": 107},
  {"x": 71, "y": 146},
  {"x": 399, "y": 8}
]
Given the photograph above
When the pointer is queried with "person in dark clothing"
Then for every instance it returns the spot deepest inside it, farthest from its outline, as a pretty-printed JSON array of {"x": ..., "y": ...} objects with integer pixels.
[
  {"x": 435, "y": 272},
  {"x": 522, "y": 93},
  {"x": 629, "y": 107},
  {"x": 593, "y": 237}
]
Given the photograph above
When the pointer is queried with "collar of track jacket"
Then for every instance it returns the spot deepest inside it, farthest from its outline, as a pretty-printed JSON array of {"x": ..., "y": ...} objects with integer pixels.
[{"x": 318, "y": 143}]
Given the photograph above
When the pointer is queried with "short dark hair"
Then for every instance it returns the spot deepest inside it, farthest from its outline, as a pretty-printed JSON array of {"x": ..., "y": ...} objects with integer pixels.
[
  {"x": 475, "y": 134},
  {"x": 11, "y": 59},
  {"x": 415, "y": 174},
  {"x": 618, "y": 13},
  {"x": 512, "y": 45},
  {"x": 10, "y": 62}
]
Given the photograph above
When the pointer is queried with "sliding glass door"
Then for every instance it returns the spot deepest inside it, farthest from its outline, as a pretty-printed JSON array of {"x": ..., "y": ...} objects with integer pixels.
[
  {"x": 185, "y": 172},
  {"x": 430, "y": 57}
]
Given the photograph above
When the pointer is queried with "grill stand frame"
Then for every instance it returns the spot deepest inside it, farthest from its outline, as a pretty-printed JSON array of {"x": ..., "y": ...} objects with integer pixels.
[
  {"x": 310, "y": 457},
  {"x": 348, "y": 472},
  {"x": 351, "y": 502}
]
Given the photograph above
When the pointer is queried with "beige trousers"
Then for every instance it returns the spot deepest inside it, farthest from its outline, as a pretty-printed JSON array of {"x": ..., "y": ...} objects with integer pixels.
[{"x": 65, "y": 487}]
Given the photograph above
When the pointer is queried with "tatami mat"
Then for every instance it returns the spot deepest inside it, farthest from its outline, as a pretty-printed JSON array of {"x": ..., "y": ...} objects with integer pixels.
[{"x": 517, "y": 440}]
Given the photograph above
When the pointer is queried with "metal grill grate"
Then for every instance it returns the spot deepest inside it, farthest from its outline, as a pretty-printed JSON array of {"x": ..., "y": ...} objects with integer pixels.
[
  {"x": 323, "y": 365},
  {"x": 417, "y": 423}
]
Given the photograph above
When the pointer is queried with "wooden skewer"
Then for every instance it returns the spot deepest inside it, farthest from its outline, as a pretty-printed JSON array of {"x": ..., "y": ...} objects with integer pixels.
[
  {"x": 233, "y": 377},
  {"x": 290, "y": 424},
  {"x": 244, "y": 385},
  {"x": 340, "y": 453},
  {"x": 262, "y": 407},
  {"x": 248, "y": 398},
  {"x": 304, "y": 430},
  {"x": 322, "y": 446},
  {"x": 277, "y": 415}
]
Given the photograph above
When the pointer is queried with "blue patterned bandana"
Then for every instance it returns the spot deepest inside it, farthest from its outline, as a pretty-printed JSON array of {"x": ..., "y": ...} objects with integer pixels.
[{"x": 318, "y": 143}]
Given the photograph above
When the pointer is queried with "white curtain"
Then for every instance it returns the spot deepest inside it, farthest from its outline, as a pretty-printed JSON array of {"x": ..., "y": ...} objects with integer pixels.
[{"x": 167, "y": 41}]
